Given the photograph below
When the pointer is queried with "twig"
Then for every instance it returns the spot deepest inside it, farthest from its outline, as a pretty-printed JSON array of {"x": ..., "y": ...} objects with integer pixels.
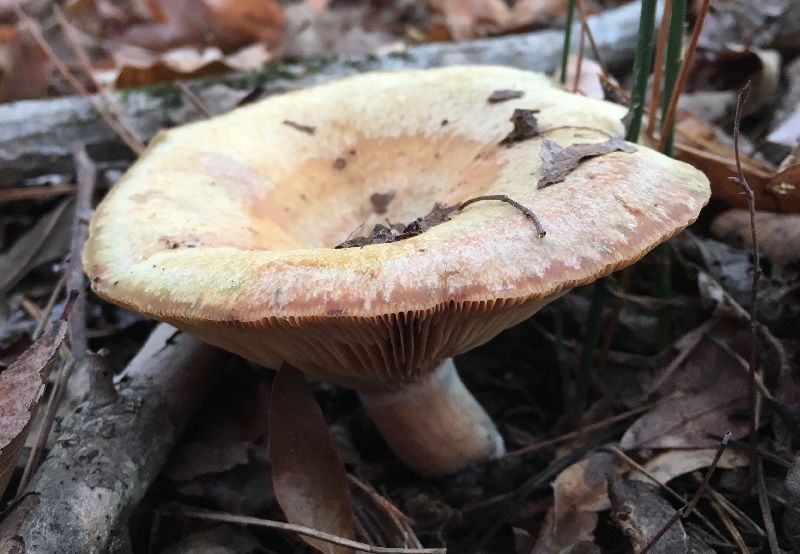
[
  {"x": 37, "y": 35},
  {"x": 578, "y": 65},
  {"x": 689, "y": 507},
  {"x": 17, "y": 194},
  {"x": 86, "y": 175},
  {"x": 504, "y": 198},
  {"x": 669, "y": 115},
  {"x": 583, "y": 431},
  {"x": 86, "y": 66},
  {"x": 194, "y": 99},
  {"x": 730, "y": 527},
  {"x": 48, "y": 308},
  {"x": 165, "y": 384},
  {"x": 672, "y": 492},
  {"x": 741, "y": 180},
  {"x": 588, "y": 30},
  {"x": 210, "y": 515},
  {"x": 655, "y": 89},
  {"x": 755, "y": 461}
]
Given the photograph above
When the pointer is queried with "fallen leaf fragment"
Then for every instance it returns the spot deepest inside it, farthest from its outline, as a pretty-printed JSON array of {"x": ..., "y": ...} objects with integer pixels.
[
  {"x": 579, "y": 492},
  {"x": 310, "y": 482},
  {"x": 380, "y": 201},
  {"x": 591, "y": 78},
  {"x": 525, "y": 126},
  {"x": 464, "y": 19},
  {"x": 700, "y": 403},
  {"x": 21, "y": 388},
  {"x": 137, "y": 66},
  {"x": 558, "y": 162},
  {"x": 538, "y": 14},
  {"x": 381, "y": 234},
  {"x": 504, "y": 95},
  {"x": 25, "y": 69},
  {"x": 674, "y": 463},
  {"x": 778, "y": 234}
]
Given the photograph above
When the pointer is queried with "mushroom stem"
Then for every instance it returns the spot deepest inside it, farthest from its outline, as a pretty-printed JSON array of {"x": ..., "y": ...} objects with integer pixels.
[{"x": 435, "y": 426}]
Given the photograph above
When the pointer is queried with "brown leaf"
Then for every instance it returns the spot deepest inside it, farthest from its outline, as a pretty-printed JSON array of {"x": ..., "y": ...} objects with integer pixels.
[
  {"x": 674, "y": 463},
  {"x": 589, "y": 81},
  {"x": 464, "y": 19},
  {"x": 21, "y": 388},
  {"x": 640, "y": 512},
  {"x": 136, "y": 67},
  {"x": 701, "y": 404},
  {"x": 525, "y": 126},
  {"x": 226, "y": 24},
  {"x": 382, "y": 234},
  {"x": 25, "y": 69},
  {"x": 308, "y": 476},
  {"x": 778, "y": 234},
  {"x": 537, "y": 14},
  {"x": 44, "y": 242},
  {"x": 558, "y": 162},
  {"x": 504, "y": 95},
  {"x": 579, "y": 492}
]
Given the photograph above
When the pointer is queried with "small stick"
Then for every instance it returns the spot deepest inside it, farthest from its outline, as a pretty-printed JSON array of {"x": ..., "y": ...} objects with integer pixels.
[
  {"x": 504, "y": 198},
  {"x": 689, "y": 507},
  {"x": 194, "y": 99},
  {"x": 48, "y": 308},
  {"x": 666, "y": 124},
  {"x": 17, "y": 194},
  {"x": 579, "y": 63},
  {"x": 590, "y": 36},
  {"x": 299, "y": 529},
  {"x": 661, "y": 48}
]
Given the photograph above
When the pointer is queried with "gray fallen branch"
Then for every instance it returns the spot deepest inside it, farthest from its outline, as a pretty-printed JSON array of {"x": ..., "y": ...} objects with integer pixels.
[
  {"x": 111, "y": 448},
  {"x": 36, "y": 136}
]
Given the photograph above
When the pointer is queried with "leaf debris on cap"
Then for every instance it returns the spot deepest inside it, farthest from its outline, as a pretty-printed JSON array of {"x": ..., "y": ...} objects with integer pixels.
[
  {"x": 504, "y": 95},
  {"x": 558, "y": 162},
  {"x": 525, "y": 126},
  {"x": 308, "y": 129}
]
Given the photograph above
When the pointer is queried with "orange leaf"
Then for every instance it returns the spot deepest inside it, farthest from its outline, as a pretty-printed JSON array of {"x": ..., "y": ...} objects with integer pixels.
[{"x": 310, "y": 482}]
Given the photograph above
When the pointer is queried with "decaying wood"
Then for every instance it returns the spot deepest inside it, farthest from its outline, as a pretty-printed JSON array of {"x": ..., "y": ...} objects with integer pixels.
[
  {"x": 36, "y": 136},
  {"x": 111, "y": 447}
]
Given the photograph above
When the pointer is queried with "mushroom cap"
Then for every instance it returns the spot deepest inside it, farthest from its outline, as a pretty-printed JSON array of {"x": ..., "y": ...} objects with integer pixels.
[{"x": 226, "y": 227}]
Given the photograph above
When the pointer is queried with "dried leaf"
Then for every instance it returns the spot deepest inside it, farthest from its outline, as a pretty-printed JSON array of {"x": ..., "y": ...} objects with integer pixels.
[
  {"x": 558, "y": 162},
  {"x": 525, "y": 126},
  {"x": 46, "y": 241},
  {"x": 640, "y": 512},
  {"x": 504, "y": 95},
  {"x": 21, "y": 388},
  {"x": 25, "y": 69},
  {"x": 589, "y": 81},
  {"x": 778, "y": 234},
  {"x": 308, "y": 476},
  {"x": 382, "y": 234},
  {"x": 537, "y": 14},
  {"x": 675, "y": 463},
  {"x": 136, "y": 66},
  {"x": 579, "y": 492},
  {"x": 464, "y": 19},
  {"x": 701, "y": 404},
  {"x": 225, "y": 24}
]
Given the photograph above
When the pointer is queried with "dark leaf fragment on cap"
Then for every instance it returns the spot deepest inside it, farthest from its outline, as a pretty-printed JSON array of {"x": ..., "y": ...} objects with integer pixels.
[
  {"x": 503, "y": 95},
  {"x": 558, "y": 162},
  {"x": 525, "y": 126},
  {"x": 381, "y": 234},
  {"x": 380, "y": 201},
  {"x": 308, "y": 129}
]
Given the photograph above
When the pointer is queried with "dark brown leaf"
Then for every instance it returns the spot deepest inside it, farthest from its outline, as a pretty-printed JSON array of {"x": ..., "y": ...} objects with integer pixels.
[
  {"x": 382, "y": 234},
  {"x": 21, "y": 388},
  {"x": 504, "y": 95},
  {"x": 525, "y": 126},
  {"x": 308, "y": 476},
  {"x": 558, "y": 162}
]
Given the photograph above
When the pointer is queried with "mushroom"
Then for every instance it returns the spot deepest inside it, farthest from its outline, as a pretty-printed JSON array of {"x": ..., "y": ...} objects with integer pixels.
[{"x": 226, "y": 229}]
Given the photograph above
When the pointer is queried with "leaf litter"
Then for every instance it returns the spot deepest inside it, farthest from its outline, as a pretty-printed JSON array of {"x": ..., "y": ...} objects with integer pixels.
[{"x": 558, "y": 161}]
